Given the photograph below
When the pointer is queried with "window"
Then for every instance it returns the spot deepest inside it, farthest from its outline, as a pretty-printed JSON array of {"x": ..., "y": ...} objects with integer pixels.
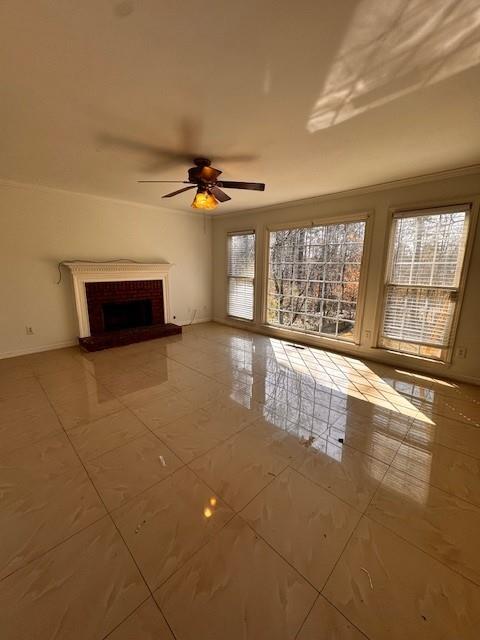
[
  {"x": 426, "y": 256},
  {"x": 241, "y": 274},
  {"x": 314, "y": 277}
]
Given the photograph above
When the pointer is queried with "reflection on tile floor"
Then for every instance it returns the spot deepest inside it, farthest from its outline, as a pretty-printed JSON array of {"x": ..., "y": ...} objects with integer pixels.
[{"x": 222, "y": 484}]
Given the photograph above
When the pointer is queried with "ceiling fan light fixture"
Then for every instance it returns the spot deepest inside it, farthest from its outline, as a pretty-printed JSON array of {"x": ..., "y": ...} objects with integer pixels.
[
  {"x": 204, "y": 200},
  {"x": 204, "y": 179}
]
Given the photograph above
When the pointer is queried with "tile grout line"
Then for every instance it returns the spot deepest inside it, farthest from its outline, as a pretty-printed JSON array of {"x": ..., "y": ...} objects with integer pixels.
[
  {"x": 318, "y": 591},
  {"x": 205, "y": 453},
  {"x": 259, "y": 535},
  {"x": 402, "y": 441},
  {"x": 435, "y": 486},
  {"x": 413, "y": 544},
  {"x": 105, "y": 637},
  {"x": 197, "y": 551},
  {"x": 363, "y": 514},
  {"x": 416, "y": 446},
  {"x": 158, "y": 435},
  {"x": 235, "y": 514},
  {"x": 58, "y": 544},
  {"x": 128, "y": 408},
  {"x": 320, "y": 596},
  {"x": 140, "y": 493},
  {"x": 385, "y": 408},
  {"x": 302, "y": 624},
  {"x": 152, "y": 432},
  {"x": 108, "y": 514},
  {"x": 206, "y": 483},
  {"x": 329, "y": 491},
  {"x": 355, "y": 528},
  {"x": 277, "y": 553},
  {"x": 185, "y": 465}
]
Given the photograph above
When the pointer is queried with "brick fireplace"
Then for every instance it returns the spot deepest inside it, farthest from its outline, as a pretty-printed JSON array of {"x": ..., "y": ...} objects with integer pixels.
[{"x": 122, "y": 302}]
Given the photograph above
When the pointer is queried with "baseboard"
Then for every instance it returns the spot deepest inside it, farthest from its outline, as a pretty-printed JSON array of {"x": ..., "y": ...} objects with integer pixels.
[
  {"x": 38, "y": 349},
  {"x": 356, "y": 351},
  {"x": 185, "y": 323},
  {"x": 467, "y": 379},
  {"x": 74, "y": 341},
  {"x": 360, "y": 353}
]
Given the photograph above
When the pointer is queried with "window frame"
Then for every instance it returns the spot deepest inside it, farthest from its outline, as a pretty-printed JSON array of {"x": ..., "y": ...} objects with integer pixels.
[
  {"x": 423, "y": 209},
  {"x": 339, "y": 218},
  {"x": 240, "y": 232}
]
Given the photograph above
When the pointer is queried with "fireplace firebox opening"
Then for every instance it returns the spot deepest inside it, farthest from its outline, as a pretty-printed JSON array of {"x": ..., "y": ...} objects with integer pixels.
[{"x": 127, "y": 315}]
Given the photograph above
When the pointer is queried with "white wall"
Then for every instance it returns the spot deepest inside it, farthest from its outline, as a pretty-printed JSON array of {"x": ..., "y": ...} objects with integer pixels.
[
  {"x": 446, "y": 190},
  {"x": 40, "y": 227}
]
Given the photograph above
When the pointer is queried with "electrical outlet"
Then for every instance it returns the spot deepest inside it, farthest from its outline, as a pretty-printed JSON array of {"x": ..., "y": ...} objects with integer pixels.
[
  {"x": 29, "y": 331},
  {"x": 461, "y": 352},
  {"x": 368, "y": 334}
]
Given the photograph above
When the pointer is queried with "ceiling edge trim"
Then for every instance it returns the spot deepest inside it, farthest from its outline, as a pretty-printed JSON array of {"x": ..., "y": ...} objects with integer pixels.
[
  {"x": 13, "y": 184},
  {"x": 382, "y": 186}
]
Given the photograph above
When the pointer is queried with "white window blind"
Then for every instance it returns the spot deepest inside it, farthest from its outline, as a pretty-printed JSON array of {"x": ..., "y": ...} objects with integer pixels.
[
  {"x": 423, "y": 278},
  {"x": 241, "y": 274}
]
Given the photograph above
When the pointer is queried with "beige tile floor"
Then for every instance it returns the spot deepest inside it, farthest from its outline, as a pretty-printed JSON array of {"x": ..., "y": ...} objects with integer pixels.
[{"x": 224, "y": 485}]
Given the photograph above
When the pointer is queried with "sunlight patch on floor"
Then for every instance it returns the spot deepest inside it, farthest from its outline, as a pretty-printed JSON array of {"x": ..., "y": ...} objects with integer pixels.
[{"x": 346, "y": 375}]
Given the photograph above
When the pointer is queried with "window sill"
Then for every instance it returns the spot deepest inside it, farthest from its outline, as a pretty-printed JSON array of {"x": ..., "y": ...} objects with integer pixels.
[
  {"x": 318, "y": 337},
  {"x": 412, "y": 356},
  {"x": 236, "y": 319}
]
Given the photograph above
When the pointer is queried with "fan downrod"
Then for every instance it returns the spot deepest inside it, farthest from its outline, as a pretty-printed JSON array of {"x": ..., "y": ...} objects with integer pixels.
[{"x": 202, "y": 162}]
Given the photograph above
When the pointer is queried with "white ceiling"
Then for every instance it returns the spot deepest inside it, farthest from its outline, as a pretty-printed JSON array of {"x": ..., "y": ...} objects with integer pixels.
[{"x": 324, "y": 96}]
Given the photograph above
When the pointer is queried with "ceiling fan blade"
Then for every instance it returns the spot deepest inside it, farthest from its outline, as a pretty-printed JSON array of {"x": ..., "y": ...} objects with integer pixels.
[
  {"x": 252, "y": 186},
  {"x": 170, "y": 181},
  {"x": 175, "y": 193},
  {"x": 239, "y": 157},
  {"x": 127, "y": 143},
  {"x": 220, "y": 195},
  {"x": 143, "y": 147},
  {"x": 189, "y": 134}
]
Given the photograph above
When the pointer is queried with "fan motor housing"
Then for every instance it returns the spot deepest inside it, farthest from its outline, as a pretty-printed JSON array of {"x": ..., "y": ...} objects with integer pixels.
[{"x": 203, "y": 174}]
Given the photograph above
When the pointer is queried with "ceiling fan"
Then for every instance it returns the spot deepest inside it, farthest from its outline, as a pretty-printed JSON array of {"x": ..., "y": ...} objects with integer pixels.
[{"x": 204, "y": 178}]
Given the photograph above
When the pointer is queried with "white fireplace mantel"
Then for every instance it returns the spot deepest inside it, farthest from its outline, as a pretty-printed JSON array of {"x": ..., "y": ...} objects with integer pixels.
[{"x": 83, "y": 272}]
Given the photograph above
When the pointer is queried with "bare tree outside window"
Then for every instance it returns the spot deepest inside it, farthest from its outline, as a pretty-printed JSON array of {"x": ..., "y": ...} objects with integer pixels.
[{"x": 314, "y": 275}]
